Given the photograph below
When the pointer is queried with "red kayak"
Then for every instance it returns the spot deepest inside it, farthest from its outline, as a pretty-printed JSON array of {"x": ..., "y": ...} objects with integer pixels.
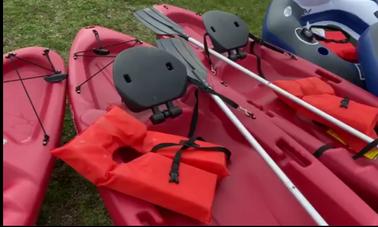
[
  {"x": 33, "y": 102},
  {"x": 252, "y": 194},
  {"x": 275, "y": 65}
]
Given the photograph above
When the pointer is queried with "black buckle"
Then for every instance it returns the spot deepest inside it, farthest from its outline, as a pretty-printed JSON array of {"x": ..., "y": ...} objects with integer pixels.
[
  {"x": 148, "y": 77},
  {"x": 56, "y": 78},
  {"x": 236, "y": 54},
  {"x": 344, "y": 103},
  {"x": 159, "y": 116},
  {"x": 100, "y": 50}
]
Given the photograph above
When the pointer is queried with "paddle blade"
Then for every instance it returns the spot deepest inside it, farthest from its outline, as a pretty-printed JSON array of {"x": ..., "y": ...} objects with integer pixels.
[
  {"x": 182, "y": 51},
  {"x": 159, "y": 23}
]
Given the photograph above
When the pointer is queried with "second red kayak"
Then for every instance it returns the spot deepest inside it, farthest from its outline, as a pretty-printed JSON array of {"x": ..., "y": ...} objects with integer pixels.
[
  {"x": 276, "y": 65},
  {"x": 252, "y": 194}
]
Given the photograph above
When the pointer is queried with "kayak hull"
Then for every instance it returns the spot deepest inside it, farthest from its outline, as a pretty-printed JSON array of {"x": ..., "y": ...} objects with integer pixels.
[
  {"x": 252, "y": 194},
  {"x": 27, "y": 163},
  {"x": 270, "y": 197},
  {"x": 282, "y": 66}
]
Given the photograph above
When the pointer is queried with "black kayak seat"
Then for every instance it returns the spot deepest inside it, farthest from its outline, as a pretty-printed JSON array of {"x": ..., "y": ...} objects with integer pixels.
[
  {"x": 226, "y": 31},
  {"x": 147, "y": 77}
]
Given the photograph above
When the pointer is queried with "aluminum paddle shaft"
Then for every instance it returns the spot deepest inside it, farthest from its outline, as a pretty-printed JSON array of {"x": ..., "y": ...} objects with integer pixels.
[
  {"x": 277, "y": 170},
  {"x": 198, "y": 72},
  {"x": 283, "y": 92},
  {"x": 162, "y": 25}
]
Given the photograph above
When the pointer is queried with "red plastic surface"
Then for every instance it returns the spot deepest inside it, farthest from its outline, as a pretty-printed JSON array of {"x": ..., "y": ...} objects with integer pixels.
[
  {"x": 359, "y": 175},
  {"x": 252, "y": 194},
  {"x": 27, "y": 163}
]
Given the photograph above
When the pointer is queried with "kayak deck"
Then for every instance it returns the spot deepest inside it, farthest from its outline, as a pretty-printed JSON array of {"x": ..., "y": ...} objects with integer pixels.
[
  {"x": 283, "y": 66},
  {"x": 253, "y": 188},
  {"x": 252, "y": 194},
  {"x": 27, "y": 162}
]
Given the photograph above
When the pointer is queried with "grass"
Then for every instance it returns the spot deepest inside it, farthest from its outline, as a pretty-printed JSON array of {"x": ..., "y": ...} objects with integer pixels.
[{"x": 70, "y": 199}]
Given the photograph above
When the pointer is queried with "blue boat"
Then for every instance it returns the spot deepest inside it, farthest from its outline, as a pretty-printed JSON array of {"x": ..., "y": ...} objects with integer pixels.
[{"x": 303, "y": 27}]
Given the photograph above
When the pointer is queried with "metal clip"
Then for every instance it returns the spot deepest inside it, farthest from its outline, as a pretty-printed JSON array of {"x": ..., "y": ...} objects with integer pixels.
[
  {"x": 247, "y": 112},
  {"x": 10, "y": 54},
  {"x": 46, "y": 139},
  {"x": 213, "y": 70},
  {"x": 224, "y": 83}
]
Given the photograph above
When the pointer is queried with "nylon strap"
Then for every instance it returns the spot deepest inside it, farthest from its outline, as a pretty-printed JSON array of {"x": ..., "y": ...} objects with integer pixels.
[
  {"x": 322, "y": 149},
  {"x": 190, "y": 143},
  {"x": 206, "y": 49},
  {"x": 366, "y": 149}
]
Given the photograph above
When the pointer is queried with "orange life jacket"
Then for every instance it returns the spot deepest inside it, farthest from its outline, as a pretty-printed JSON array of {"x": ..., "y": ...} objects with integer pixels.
[
  {"x": 346, "y": 51},
  {"x": 214, "y": 162},
  {"x": 92, "y": 152},
  {"x": 321, "y": 95}
]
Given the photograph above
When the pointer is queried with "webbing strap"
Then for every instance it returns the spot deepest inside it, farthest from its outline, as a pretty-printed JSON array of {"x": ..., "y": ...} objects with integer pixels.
[
  {"x": 322, "y": 149},
  {"x": 366, "y": 149},
  {"x": 46, "y": 137},
  {"x": 190, "y": 143},
  {"x": 206, "y": 49}
]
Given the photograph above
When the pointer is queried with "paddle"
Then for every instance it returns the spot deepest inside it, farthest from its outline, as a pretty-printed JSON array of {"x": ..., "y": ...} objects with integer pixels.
[
  {"x": 198, "y": 73},
  {"x": 162, "y": 25}
]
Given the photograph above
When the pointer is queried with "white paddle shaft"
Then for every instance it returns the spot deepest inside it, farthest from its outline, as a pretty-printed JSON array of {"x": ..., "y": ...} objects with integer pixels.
[
  {"x": 293, "y": 98},
  {"x": 276, "y": 169}
]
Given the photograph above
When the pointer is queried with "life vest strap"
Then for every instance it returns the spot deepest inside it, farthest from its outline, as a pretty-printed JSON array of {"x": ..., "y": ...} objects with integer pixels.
[
  {"x": 366, "y": 149},
  {"x": 186, "y": 144},
  {"x": 190, "y": 143},
  {"x": 183, "y": 143},
  {"x": 322, "y": 149}
]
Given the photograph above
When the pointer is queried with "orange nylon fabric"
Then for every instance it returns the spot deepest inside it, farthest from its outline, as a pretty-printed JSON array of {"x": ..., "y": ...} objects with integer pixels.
[
  {"x": 91, "y": 154},
  {"x": 346, "y": 51},
  {"x": 361, "y": 117},
  {"x": 306, "y": 86},
  {"x": 211, "y": 161}
]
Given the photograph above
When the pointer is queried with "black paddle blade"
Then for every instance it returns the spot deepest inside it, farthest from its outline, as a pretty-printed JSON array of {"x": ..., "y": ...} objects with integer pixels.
[
  {"x": 159, "y": 23},
  {"x": 182, "y": 51},
  {"x": 197, "y": 72},
  {"x": 147, "y": 77}
]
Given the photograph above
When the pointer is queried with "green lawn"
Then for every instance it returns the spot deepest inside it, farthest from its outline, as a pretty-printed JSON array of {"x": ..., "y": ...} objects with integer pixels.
[{"x": 70, "y": 199}]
